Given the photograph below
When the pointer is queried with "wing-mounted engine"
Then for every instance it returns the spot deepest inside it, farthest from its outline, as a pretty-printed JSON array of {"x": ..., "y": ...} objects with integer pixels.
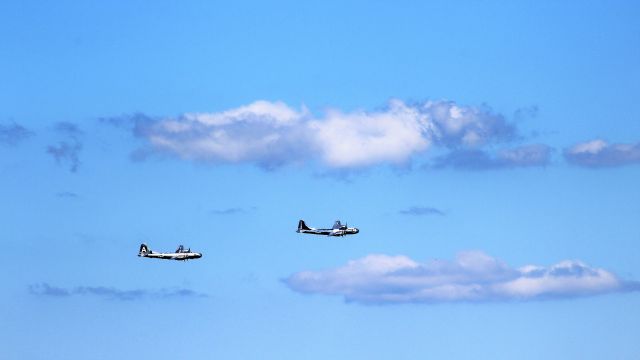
[{"x": 337, "y": 225}]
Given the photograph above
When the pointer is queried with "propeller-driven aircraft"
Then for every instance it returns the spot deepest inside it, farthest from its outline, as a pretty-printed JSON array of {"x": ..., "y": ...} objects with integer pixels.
[
  {"x": 337, "y": 230},
  {"x": 180, "y": 254}
]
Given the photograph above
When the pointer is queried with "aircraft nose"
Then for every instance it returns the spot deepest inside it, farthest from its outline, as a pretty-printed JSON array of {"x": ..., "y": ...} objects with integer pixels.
[
  {"x": 198, "y": 255},
  {"x": 357, "y": 230}
]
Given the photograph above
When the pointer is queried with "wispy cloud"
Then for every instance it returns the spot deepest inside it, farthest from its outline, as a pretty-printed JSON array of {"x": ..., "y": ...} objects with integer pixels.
[
  {"x": 599, "y": 153},
  {"x": 111, "y": 293},
  {"x": 128, "y": 121},
  {"x": 421, "y": 210},
  {"x": 67, "y": 195},
  {"x": 472, "y": 277},
  {"x": 535, "y": 155},
  {"x": 67, "y": 151},
  {"x": 13, "y": 133},
  {"x": 231, "y": 211},
  {"x": 526, "y": 112},
  {"x": 273, "y": 134}
]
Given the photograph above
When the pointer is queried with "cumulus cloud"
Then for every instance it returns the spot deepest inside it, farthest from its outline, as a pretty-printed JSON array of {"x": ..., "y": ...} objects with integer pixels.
[
  {"x": 421, "y": 210},
  {"x": 68, "y": 150},
  {"x": 472, "y": 277},
  {"x": 534, "y": 155},
  {"x": 111, "y": 293},
  {"x": 12, "y": 134},
  {"x": 272, "y": 134},
  {"x": 263, "y": 133},
  {"x": 454, "y": 125},
  {"x": 357, "y": 139},
  {"x": 599, "y": 153}
]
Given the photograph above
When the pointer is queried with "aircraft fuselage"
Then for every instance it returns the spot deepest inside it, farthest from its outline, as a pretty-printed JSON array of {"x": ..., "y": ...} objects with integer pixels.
[
  {"x": 337, "y": 230},
  {"x": 179, "y": 254}
]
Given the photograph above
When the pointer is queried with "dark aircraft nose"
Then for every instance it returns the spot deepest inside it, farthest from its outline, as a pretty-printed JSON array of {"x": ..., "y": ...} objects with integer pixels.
[
  {"x": 198, "y": 255},
  {"x": 356, "y": 230}
]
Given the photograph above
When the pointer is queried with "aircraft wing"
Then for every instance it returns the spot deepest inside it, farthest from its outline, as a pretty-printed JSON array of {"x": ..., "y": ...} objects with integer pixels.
[
  {"x": 327, "y": 232},
  {"x": 317, "y": 231}
]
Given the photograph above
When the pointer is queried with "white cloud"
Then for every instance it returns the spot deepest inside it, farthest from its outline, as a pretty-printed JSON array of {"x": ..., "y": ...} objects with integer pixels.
[
  {"x": 599, "y": 153},
  {"x": 589, "y": 147},
  {"x": 471, "y": 276},
  {"x": 265, "y": 133},
  {"x": 455, "y": 125},
  {"x": 277, "y": 113},
  {"x": 272, "y": 133},
  {"x": 361, "y": 139}
]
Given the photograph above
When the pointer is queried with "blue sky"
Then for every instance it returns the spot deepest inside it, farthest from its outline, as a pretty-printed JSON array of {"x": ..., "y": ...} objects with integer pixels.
[{"x": 488, "y": 152}]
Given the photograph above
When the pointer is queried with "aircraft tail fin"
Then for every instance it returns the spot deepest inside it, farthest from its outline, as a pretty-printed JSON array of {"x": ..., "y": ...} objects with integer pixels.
[
  {"x": 144, "y": 250},
  {"x": 302, "y": 226}
]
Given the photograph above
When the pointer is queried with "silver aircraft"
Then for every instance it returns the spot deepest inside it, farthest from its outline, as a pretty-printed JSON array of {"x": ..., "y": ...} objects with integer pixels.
[
  {"x": 337, "y": 230},
  {"x": 180, "y": 254}
]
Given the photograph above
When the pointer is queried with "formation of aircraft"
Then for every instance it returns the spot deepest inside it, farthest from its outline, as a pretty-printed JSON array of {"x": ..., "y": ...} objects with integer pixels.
[
  {"x": 337, "y": 230},
  {"x": 186, "y": 254},
  {"x": 179, "y": 254}
]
